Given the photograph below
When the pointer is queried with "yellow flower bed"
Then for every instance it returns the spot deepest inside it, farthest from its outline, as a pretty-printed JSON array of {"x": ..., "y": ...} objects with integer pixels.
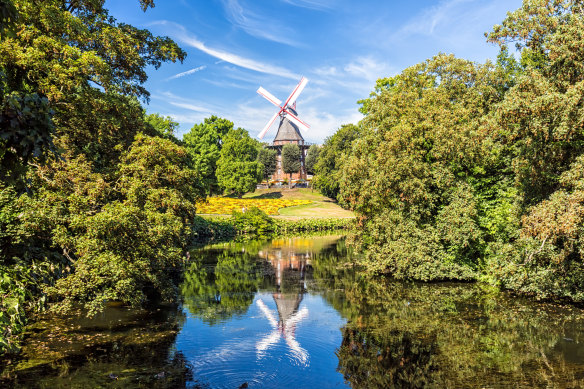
[{"x": 226, "y": 205}]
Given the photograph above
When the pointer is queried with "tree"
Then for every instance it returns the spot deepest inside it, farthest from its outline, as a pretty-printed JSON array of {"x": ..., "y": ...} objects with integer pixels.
[
  {"x": 312, "y": 158},
  {"x": 268, "y": 158},
  {"x": 332, "y": 154},
  {"x": 71, "y": 79},
  {"x": 26, "y": 133},
  {"x": 238, "y": 170},
  {"x": 131, "y": 250},
  {"x": 415, "y": 173},
  {"x": 164, "y": 126},
  {"x": 204, "y": 142},
  {"x": 291, "y": 160}
]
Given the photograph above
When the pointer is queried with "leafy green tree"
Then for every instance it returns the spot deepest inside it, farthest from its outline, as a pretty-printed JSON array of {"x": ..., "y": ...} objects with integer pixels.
[
  {"x": 541, "y": 137},
  {"x": 268, "y": 158},
  {"x": 238, "y": 170},
  {"x": 291, "y": 160},
  {"x": 131, "y": 250},
  {"x": 410, "y": 174},
  {"x": 8, "y": 15},
  {"x": 380, "y": 85},
  {"x": 164, "y": 126},
  {"x": 204, "y": 142},
  {"x": 71, "y": 80},
  {"x": 333, "y": 152},
  {"x": 90, "y": 68},
  {"x": 312, "y": 158}
]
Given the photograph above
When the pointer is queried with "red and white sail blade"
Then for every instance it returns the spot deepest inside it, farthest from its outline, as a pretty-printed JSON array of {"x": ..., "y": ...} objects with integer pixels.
[
  {"x": 268, "y": 125},
  {"x": 270, "y": 97},
  {"x": 296, "y": 92},
  {"x": 294, "y": 119}
]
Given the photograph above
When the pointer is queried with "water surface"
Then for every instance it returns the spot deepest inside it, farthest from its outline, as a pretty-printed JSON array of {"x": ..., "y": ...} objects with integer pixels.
[{"x": 296, "y": 313}]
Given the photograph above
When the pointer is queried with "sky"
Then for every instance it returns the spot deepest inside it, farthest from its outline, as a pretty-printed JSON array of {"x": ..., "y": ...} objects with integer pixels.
[{"x": 341, "y": 46}]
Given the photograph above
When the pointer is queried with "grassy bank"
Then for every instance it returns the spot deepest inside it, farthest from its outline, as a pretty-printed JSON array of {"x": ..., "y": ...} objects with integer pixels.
[{"x": 311, "y": 204}]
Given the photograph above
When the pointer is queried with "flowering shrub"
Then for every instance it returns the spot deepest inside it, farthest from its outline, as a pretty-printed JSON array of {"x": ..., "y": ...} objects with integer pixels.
[{"x": 226, "y": 205}]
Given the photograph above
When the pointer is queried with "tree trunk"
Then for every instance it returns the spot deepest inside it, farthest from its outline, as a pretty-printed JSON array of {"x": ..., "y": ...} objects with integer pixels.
[{"x": 290, "y": 182}]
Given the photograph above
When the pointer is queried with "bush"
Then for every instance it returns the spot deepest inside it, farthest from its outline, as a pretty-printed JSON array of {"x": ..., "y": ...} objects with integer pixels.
[{"x": 252, "y": 221}]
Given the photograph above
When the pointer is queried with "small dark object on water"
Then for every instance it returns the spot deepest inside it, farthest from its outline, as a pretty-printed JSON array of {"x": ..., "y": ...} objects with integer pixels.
[
  {"x": 113, "y": 376},
  {"x": 243, "y": 386}
]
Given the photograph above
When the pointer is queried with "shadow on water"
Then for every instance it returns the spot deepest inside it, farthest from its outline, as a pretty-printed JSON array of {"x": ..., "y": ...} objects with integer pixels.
[{"x": 296, "y": 312}]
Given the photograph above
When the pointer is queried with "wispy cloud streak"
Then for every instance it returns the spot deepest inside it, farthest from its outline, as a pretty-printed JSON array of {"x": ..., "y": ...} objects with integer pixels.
[
  {"x": 188, "y": 72},
  {"x": 433, "y": 17},
  {"x": 311, "y": 4},
  {"x": 184, "y": 36},
  {"x": 256, "y": 25}
]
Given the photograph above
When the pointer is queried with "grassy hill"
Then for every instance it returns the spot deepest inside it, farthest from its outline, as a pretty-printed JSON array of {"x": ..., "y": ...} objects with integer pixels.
[{"x": 320, "y": 206}]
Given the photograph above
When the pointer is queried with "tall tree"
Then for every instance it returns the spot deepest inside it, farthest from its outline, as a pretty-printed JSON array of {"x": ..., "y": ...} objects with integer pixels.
[
  {"x": 312, "y": 158},
  {"x": 413, "y": 173},
  {"x": 72, "y": 76},
  {"x": 268, "y": 158},
  {"x": 291, "y": 160},
  {"x": 333, "y": 152},
  {"x": 238, "y": 170},
  {"x": 204, "y": 142}
]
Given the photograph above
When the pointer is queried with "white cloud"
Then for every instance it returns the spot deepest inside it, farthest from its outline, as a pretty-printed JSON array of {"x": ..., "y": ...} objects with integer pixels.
[
  {"x": 367, "y": 69},
  {"x": 256, "y": 25},
  {"x": 184, "y": 36},
  {"x": 188, "y": 72},
  {"x": 327, "y": 71}
]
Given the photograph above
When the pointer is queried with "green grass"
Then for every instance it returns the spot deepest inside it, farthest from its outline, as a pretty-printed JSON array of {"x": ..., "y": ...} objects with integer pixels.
[{"x": 321, "y": 206}]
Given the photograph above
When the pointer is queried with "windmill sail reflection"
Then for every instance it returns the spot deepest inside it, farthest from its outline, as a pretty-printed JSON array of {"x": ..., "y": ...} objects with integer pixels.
[{"x": 290, "y": 268}]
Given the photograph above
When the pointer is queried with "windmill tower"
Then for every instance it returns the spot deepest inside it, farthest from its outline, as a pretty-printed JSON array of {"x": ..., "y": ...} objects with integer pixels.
[{"x": 288, "y": 129}]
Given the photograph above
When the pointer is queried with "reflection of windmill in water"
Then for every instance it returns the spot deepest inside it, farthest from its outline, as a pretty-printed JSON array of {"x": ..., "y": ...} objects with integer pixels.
[{"x": 289, "y": 313}]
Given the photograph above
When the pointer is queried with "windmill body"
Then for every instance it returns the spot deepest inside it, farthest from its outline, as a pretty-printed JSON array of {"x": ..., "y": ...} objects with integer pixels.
[{"x": 289, "y": 130}]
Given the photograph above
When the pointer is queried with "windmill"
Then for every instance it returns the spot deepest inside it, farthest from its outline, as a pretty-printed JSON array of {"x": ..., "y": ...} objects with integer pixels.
[
  {"x": 286, "y": 111},
  {"x": 289, "y": 127}
]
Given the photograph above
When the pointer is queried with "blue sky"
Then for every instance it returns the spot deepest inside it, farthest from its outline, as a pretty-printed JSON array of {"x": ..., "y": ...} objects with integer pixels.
[{"x": 341, "y": 46}]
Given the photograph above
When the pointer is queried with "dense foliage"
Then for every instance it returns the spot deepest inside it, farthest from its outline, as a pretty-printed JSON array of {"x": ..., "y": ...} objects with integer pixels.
[
  {"x": 291, "y": 156},
  {"x": 268, "y": 158},
  {"x": 94, "y": 204},
  {"x": 469, "y": 171},
  {"x": 204, "y": 142},
  {"x": 312, "y": 158},
  {"x": 238, "y": 170},
  {"x": 333, "y": 152}
]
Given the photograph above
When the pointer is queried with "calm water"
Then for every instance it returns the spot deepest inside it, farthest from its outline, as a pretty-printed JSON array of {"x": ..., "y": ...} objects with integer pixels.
[{"x": 295, "y": 313}]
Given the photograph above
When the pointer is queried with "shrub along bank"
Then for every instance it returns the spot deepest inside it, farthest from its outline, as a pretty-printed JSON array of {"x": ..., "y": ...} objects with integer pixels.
[{"x": 254, "y": 222}]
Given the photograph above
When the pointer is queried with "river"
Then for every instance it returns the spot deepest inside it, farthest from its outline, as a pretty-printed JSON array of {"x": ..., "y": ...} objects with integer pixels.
[{"x": 297, "y": 313}]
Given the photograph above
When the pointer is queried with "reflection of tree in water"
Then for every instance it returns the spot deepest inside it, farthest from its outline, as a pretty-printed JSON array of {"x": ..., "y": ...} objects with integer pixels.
[
  {"x": 397, "y": 360},
  {"x": 455, "y": 335},
  {"x": 446, "y": 335},
  {"x": 120, "y": 348},
  {"x": 221, "y": 283}
]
